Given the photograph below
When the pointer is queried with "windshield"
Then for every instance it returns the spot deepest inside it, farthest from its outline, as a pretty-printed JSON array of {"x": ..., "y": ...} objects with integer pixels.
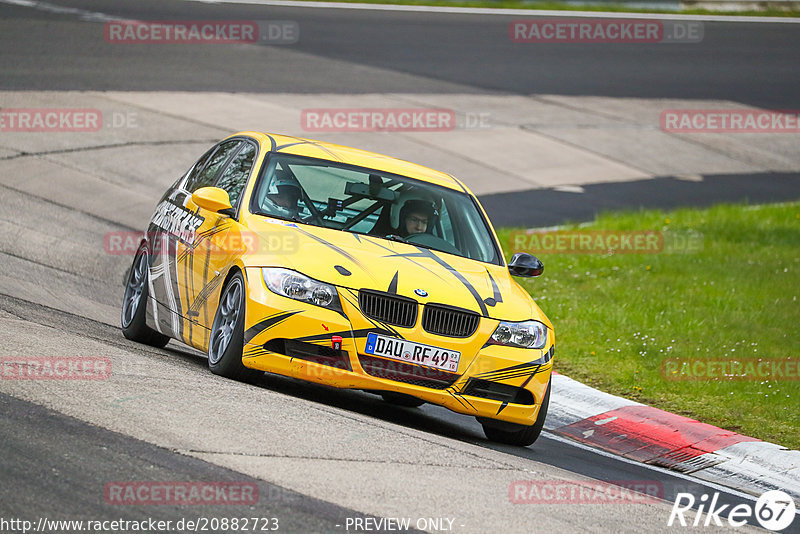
[{"x": 370, "y": 202}]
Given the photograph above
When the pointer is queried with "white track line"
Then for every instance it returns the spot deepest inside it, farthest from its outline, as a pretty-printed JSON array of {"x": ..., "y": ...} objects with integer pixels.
[
  {"x": 82, "y": 14},
  {"x": 95, "y": 16},
  {"x": 504, "y": 12}
]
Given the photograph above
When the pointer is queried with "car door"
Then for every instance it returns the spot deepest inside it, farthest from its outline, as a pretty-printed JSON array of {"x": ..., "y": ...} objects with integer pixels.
[
  {"x": 171, "y": 228},
  {"x": 173, "y": 237},
  {"x": 219, "y": 241}
]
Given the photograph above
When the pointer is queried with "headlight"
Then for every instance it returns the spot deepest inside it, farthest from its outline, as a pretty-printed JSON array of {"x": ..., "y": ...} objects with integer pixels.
[
  {"x": 527, "y": 334},
  {"x": 300, "y": 287}
]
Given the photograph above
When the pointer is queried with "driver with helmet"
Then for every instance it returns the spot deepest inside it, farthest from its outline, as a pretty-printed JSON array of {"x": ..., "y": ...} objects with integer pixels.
[
  {"x": 285, "y": 193},
  {"x": 416, "y": 217}
]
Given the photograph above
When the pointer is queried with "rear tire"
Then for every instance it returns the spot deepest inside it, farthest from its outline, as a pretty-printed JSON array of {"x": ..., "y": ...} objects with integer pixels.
[
  {"x": 134, "y": 304},
  {"x": 522, "y": 435},
  {"x": 227, "y": 333},
  {"x": 399, "y": 399}
]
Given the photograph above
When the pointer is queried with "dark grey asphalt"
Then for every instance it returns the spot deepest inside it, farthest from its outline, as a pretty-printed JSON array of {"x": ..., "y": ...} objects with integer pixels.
[
  {"x": 421, "y": 52},
  {"x": 756, "y": 64},
  {"x": 60, "y": 474},
  {"x": 59, "y": 465},
  {"x": 547, "y": 207}
]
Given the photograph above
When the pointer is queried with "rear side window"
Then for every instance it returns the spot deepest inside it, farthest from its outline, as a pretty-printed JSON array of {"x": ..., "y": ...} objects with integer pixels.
[
  {"x": 204, "y": 176},
  {"x": 235, "y": 175},
  {"x": 197, "y": 167}
]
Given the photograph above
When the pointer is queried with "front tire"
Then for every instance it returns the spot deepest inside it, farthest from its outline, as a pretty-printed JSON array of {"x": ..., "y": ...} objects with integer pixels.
[
  {"x": 521, "y": 435},
  {"x": 134, "y": 304},
  {"x": 227, "y": 333}
]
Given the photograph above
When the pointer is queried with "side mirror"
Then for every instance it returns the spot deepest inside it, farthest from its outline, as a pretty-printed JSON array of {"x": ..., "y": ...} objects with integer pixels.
[
  {"x": 522, "y": 264},
  {"x": 213, "y": 199}
]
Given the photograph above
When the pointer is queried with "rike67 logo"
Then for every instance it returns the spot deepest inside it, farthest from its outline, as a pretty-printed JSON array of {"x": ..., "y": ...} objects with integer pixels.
[{"x": 774, "y": 510}]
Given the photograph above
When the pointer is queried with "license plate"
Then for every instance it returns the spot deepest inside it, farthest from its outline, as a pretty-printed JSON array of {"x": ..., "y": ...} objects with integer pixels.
[{"x": 410, "y": 352}]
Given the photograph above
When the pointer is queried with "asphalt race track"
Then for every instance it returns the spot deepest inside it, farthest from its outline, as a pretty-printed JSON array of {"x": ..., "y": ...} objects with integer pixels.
[
  {"x": 322, "y": 460},
  {"x": 407, "y": 52}
]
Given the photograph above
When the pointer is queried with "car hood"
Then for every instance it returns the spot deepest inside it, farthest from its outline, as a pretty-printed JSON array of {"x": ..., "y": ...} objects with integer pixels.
[{"x": 358, "y": 262}]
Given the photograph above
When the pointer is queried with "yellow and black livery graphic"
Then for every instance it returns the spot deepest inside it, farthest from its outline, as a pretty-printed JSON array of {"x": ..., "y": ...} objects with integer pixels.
[{"x": 406, "y": 318}]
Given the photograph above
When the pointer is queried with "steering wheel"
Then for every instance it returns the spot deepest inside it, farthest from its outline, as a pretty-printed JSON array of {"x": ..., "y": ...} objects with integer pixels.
[
  {"x": 395, "y": 237},
  {"x": 431, "y": 241}
]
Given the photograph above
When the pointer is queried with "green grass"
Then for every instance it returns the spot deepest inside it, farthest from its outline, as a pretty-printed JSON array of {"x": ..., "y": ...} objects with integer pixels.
[
  {"x": 560, "y": 6},
  {"x": 618, "y": 316}
]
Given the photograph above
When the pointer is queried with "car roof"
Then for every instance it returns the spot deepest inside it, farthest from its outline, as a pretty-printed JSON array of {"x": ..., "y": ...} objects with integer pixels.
[{"x": 287, "y": 144}]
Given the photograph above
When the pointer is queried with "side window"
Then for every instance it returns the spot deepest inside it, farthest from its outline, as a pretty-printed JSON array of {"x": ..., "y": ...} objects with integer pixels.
[
  {"x": 197, "y": 167},
  {"x": 235, "y": 176},
  {"x": 208, "y": 174}
]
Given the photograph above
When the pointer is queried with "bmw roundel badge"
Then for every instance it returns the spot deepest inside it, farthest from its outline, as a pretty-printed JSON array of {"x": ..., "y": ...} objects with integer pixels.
[{"x": 421, "y": 292}]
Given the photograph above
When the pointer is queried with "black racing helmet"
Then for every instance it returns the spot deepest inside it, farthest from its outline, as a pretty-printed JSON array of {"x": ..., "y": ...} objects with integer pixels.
[
  {"x": 418, "y": 205},
  {"x": 284, "y": 191}
]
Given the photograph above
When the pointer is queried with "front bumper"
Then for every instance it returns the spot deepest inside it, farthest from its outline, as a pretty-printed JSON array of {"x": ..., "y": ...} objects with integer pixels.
[{"x": 294, "y": 339}]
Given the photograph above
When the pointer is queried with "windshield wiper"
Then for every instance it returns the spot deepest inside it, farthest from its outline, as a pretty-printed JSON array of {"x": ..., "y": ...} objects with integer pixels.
[
  {"x": 399, "y": 239},
  {"x": 425, "y": 246},
  {"x": 395, "y": 237}
]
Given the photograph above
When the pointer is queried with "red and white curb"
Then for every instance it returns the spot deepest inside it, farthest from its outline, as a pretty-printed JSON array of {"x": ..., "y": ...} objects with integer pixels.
[{"x": 652, "y": 436}]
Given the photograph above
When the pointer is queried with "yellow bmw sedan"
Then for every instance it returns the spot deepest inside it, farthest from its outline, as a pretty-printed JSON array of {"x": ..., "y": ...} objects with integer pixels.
[{"x": 347, "y": 268}]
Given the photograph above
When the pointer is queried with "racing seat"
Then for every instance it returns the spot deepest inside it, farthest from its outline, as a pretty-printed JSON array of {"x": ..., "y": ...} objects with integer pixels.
[{"x": 383, "y": 225}]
